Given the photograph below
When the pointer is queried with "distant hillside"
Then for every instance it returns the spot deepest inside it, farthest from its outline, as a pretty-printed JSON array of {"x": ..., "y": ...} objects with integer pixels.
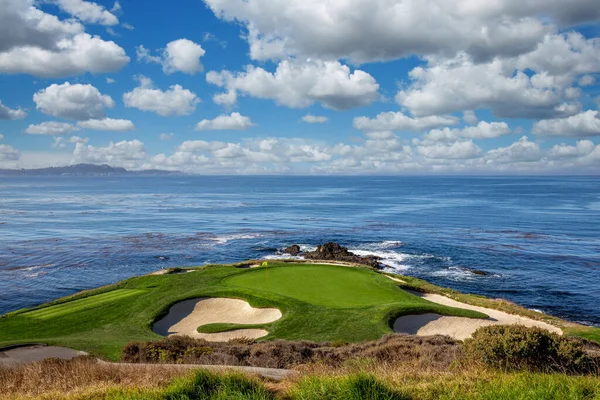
[{"x": 79, "y": 170}]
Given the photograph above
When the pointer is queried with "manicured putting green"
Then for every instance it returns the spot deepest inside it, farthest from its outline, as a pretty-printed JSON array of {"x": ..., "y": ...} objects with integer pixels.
[
  {"x": 326, "y": 286},
  {"x": 82, "y": 304}
]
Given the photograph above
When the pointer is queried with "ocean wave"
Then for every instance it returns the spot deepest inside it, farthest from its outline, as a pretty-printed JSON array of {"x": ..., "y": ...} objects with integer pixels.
[
  {"x": 240, "y": 236},
  {"x": 393, "y": 259}
]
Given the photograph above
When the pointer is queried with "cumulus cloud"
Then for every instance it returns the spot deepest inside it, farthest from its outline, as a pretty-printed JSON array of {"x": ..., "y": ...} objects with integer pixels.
[
  {"x": 235, "y": 121},
  {"x": 37, "y": 43},
  {"x": 166, "y": 136},
  {"x": 581, "y": 148},
  {"x": 51, "y": 128},
  {"x": 520, "y": 151},
  {"x": 537, "y": 84},
  {"x": 73, "y": 101},
  {"x": 175, "y": 101},
  {"x": 88, "y": 11},
  {"x": 470, "y": 118},
  {"x": 483, "y": 130},
  {"x": 314, "y": 119},
  {"x": 107, "y": 124},
  {"x": 397, "y": 121},
  {"x": 366, "y": 31},
  {"x": 8, "y": 113},
  {"x": 581, "y": 125},
  {"x": 7, "y": 153},
  {"x": 181, "y": 55},
  {"x": 456, "y": 150},
  {"x": 300, "y": 84},
  {"x": 126, "y": 154}
]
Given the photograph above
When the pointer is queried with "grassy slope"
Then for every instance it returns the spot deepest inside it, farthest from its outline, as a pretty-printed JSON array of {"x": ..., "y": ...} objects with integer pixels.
[
  {"x": 571, "y": 329},
  {"x": 103, "y": 321}
]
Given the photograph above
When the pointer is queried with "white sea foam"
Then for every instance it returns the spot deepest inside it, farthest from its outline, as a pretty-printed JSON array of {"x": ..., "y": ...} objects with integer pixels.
[
  {"x": 240, "y": 236},
  {"x": 395, "y": 260}
]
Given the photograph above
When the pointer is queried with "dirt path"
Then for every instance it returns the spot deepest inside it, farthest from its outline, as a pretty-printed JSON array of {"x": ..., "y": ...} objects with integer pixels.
[{"x": 27, "y": 354}]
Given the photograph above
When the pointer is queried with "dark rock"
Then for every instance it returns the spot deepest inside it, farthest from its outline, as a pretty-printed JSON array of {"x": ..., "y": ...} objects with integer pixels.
[
  {"x": 476, "y": 271},
  {"x": 334, "y": 252},
  {"x": 293, "y": 250}
]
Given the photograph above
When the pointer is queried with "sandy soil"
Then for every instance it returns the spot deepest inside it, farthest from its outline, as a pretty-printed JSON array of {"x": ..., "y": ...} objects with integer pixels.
[
  {"x": 29, "y": 354},
  {"x": 185, "y": 317},
  {"x": 459, "y": 327}
]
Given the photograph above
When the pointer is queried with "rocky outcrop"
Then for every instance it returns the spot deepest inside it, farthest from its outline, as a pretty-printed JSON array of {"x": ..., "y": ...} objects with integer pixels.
[
  {"x": 292, "y": 250},
  {"x": 334, "y": 252}
]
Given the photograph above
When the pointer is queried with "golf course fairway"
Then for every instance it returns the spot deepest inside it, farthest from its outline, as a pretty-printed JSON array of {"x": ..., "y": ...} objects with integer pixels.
[{"x": 317, "y": 302}]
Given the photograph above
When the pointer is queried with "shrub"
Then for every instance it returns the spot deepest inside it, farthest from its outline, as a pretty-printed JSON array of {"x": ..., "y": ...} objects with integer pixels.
[{"x": 516, "y": 347}]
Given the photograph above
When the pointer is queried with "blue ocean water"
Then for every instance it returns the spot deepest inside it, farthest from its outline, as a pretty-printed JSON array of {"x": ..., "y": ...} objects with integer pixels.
[{"x": 538, "y": 237}]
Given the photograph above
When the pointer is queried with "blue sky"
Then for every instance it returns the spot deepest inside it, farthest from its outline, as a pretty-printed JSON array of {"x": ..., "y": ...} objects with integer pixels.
[{"x": 395, "y": 87}]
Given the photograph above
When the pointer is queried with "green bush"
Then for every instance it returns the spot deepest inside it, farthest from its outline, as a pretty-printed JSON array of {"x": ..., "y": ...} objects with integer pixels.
[{"x": 516, "y": 347}]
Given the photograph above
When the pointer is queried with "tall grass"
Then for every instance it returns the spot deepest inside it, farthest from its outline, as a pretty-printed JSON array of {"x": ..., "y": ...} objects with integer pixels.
[{"x": 357, "y": 380}]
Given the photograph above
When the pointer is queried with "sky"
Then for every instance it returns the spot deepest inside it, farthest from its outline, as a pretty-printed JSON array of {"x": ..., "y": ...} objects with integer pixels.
[{"x": 337, "y": 87}]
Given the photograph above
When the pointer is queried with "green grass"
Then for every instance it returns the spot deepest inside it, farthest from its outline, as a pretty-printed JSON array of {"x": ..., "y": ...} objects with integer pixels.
[
  {"x": 318, "y": 302},
  {"x": 489, "y": 386},
  {"x": 331, "y": 286}
]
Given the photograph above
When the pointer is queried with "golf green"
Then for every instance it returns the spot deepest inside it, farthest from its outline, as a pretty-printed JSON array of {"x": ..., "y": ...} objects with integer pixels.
[
  {"x": 318, "y": 302},
  {"x": 327, "y": 286}
]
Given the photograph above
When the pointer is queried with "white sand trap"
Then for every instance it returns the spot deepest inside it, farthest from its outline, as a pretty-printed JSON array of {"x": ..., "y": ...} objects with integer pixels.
[
  {"x": 28, "y": 354},
  {"x": 459, "y": 327},
  {"x": 185, "y": 317}
]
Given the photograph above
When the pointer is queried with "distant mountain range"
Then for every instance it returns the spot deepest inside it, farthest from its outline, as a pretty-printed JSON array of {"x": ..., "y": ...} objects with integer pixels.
[{"x": 81, "y": 170}]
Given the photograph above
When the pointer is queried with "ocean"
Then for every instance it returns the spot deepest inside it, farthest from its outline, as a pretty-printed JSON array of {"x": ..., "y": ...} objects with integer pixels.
[{"x": 538, "y": 238}]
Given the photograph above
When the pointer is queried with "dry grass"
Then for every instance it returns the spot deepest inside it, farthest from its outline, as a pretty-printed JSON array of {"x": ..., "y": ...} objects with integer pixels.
[
  {"x": 435, "y": 352},
  {"x": 80, "y": 377}
]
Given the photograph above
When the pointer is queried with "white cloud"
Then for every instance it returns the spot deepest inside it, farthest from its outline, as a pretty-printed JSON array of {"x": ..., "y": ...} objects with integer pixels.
[
  {"x": 483, "y": 130},
  {"x": 126, "y": 154},
  {"x": 586, "y": 80},
  {"x": 166, "y": 136},
  {"x": 51, "y": 128},
  {"x": 235, "y": 121},
  {"x": 72, "y": 101},
  {"x": 456, "y": 150},
  {"x": 88, "y": 12},
  {"x": 179, "y": 55},
  {"x": 110, "y": 80},
  {"x": 107, "y": 124},
  {"x": 226, "y": 99},
  {"x": 470, "y": 118},
  {"x": 581, "y": 125},
  {"x": 300, "y": 84},
  {"x": 8, "y": 113},
  {"x": 582, "y": 148},
  {"x": 116, "y": 8},
  {"x": 7, "y": 153},
  {"x": 520, "y": 151},
  {"x": 174, "y": 101},
  {"x": 37, "y": 43},
  {"x": 314, "y": 119},
  {"x": 397, "y": 121},
  {"x": 537, "y": 84},
  {"x": 365, "y": 31},
  {"x": 1, "y": 137}
]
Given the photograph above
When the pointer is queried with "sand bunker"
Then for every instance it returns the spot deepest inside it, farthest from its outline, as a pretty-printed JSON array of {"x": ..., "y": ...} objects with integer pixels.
[
  {"x": 459, "y": 327},
  {"x": 185, "y": 317},
  {"x": 28, "y": 354}
]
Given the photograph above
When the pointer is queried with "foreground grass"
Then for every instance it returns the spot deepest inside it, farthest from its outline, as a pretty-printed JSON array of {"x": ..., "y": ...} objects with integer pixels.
[
  {"x": 318, "y": 303},
  {"x": 85, "y": 380}
]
